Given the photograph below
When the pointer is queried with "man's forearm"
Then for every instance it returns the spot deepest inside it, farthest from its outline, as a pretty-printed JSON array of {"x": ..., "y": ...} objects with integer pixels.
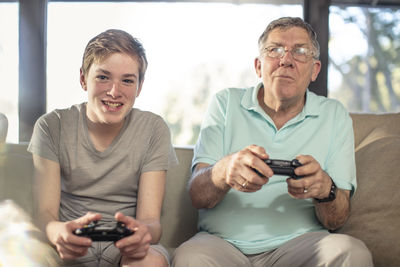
[
  {"x": 207, "y": 186},
  {"x": 334, "y": 214}
]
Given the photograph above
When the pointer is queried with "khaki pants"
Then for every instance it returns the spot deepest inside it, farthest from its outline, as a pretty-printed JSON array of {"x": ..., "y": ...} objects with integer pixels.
[
  {"x": 308, "y": 250},
  {"x": 105, "y": 254}
]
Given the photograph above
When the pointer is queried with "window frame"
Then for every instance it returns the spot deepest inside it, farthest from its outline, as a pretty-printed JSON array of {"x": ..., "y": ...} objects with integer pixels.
[{"x": 33, "y": 36}]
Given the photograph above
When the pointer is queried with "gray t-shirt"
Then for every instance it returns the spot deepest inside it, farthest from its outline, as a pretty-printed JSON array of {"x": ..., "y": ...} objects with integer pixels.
[{"x": 103, "y": 182}]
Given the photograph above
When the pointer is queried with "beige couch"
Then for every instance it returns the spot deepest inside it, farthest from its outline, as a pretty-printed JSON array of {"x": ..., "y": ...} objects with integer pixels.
[{"x": 375, "y": 215}]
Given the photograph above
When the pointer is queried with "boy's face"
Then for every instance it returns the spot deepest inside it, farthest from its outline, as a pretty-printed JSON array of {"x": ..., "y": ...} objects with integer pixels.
[{"x": 112, "y": 87}]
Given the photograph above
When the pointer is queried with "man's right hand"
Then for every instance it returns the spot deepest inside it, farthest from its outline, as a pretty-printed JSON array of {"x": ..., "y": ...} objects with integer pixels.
[
  {"x": 240, "y": 166},
  {"x": 209, "y": 184},
  {"x": 69, "y": 245}
]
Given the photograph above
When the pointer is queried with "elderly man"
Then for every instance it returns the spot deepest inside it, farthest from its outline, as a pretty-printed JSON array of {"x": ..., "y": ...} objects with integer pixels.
[{"x": 249, "y": 216}]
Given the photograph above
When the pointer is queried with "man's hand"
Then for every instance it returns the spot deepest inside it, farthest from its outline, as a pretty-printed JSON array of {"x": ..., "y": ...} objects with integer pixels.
[
  {"x": 210, "y": 183},
  {"x": 240, "y": 166},
  {"x": 69, "y": 245},
  {"x": 136, "y": 245},
  {"x": 315, "y": 183}
]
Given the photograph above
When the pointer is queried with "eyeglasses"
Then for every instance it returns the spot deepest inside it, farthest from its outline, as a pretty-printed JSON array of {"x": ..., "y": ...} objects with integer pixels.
[{"x": 301, "y": 54}]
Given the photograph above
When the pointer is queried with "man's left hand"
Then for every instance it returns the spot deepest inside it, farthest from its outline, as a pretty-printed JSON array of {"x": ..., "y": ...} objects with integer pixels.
[{"x": 315, "y": 182}]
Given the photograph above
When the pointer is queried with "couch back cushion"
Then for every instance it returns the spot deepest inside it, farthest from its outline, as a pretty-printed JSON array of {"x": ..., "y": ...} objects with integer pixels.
[
  {"x": 375, "y": 207},
  {"x": 178, "y": 218}
]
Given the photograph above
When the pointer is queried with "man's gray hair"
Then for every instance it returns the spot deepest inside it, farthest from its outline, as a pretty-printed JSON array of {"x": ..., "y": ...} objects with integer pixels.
[{"x": 289, "y": 22}]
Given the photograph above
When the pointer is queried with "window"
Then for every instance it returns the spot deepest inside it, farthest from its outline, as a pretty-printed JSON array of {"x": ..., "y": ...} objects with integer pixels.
[
  {"x": 364, "y": 53},
  {"x": 193, "y": 49},
  {"x": 9, "y": 67}
]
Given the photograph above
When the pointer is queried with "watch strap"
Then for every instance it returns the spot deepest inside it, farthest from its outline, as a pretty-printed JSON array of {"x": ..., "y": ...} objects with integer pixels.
[{"x": 332, "y": 194}]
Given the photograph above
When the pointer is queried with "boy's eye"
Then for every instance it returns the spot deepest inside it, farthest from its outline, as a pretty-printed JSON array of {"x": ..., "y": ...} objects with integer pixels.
[
  {"x": 102, "y": 77},
  {"x": 128, "y": 81}
]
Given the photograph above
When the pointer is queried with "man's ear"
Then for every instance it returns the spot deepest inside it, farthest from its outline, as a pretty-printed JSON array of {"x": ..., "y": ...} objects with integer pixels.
[
  {"x": 257, "y": 66},
  {"x": 82, "y": 80},
  {"x": 316, "y": 69}
]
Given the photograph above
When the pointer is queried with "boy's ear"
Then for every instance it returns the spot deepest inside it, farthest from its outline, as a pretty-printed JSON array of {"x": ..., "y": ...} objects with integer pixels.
[
  {"x": 139, "y": 89},
  {"x": 82, "y": 80}
]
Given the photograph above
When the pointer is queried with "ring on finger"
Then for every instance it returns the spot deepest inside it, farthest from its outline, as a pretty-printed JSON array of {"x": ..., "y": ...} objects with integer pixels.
[
  {"x": 305, "y": 190},
  {"x": 245, "y": 183}
]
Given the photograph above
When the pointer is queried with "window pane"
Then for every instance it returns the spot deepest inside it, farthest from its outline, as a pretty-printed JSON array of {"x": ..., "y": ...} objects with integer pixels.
[
  {"x": 193, "y": 49},
  {"x": 364, "y": 53},
  {"x": 9, "y": 67}
]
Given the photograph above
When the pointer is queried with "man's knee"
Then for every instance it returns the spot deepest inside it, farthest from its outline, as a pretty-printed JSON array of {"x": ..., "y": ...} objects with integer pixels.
[
  {"x": 205, "y": 250},
  {"x": 347, "y": 251},
  {"x": 187, "y": 255}
]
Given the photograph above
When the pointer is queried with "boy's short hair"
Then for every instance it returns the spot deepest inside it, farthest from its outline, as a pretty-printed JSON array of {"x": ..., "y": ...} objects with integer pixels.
[{"x": 110, "y": 42}]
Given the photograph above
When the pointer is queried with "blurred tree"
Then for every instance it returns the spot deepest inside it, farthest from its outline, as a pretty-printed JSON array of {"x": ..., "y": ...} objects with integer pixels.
[{"x": 371, "y": 82}]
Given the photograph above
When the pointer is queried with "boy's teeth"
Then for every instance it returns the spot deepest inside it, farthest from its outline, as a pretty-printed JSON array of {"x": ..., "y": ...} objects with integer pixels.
[{"x": 114, "y": 105}]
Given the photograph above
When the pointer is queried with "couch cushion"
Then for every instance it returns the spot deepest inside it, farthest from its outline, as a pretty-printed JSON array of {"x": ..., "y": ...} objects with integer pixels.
[
  {"x": 16, "y": 170},
  {"x": 375, "y": 208},
  {"x": 381, "y": 124},
  {"x": 179, "y": 217}
]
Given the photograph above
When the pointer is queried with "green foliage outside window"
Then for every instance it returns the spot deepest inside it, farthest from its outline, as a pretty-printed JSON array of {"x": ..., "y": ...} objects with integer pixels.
[{"x": 370, "y": 79}]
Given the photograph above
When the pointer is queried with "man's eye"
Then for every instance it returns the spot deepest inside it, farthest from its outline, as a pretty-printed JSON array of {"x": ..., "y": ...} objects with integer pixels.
[
  {"x": 277, "y": 49},
  {"x": 301, "y": 51}
]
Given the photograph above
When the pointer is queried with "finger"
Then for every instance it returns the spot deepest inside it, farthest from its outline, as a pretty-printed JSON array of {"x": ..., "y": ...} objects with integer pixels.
[
  {"x": 88, "y": 218},
  {"x": 79, "y": 241},
  {"x": 136, "y": 251},
  {"x": 298, "y": 191},
  {"x": 258, "y": 151},
  {"x": 120, "y": 217},
  {"x": 135, "y": 239},
  {"x": 129, "y": 222},
  {"x": 247, "y": 187},
  {"x": 258, "y": 166},
  {"x": 68, "y": 252}
]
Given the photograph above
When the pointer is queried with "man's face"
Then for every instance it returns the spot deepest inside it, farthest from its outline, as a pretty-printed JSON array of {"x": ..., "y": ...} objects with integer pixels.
[
  {"x": 286, "y": 78},
  {"x": 112, "y": 87}
]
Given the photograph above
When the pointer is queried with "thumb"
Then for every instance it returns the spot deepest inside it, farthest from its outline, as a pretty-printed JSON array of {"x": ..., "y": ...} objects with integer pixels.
[
  {"x": 127, "y": 220},
  {"x": 88, "y": 218}
]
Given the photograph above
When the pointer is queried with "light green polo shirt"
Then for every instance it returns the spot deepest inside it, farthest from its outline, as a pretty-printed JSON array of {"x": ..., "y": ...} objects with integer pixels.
[{"x": 264, "y": 220}]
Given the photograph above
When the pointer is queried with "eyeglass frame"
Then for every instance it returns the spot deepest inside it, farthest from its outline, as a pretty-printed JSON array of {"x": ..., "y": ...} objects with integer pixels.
[{"x": 310, "y": 55}]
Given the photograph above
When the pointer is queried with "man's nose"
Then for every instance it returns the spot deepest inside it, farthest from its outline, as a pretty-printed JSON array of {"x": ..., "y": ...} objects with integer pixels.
[{"x": 286, "y": 59}]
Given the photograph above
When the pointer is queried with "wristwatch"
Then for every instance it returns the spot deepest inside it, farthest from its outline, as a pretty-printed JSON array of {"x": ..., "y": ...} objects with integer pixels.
[{"x": 332, "y": 194}]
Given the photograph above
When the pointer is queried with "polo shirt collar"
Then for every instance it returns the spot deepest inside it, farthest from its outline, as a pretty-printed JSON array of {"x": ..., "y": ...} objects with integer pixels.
[{"x": 250, "y": 102}]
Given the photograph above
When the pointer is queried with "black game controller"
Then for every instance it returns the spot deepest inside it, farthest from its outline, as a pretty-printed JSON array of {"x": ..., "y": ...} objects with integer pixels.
[
  {"x": 283, "y": 167},
  {"x": 104, "y": 232}
]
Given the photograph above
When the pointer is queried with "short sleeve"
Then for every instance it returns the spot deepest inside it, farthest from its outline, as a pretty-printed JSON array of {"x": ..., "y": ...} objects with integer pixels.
[
  {"x": 340, "y": 163},
  {"x": 210, "y": 145},
  {"x": 160, "y": 154},
  {"x": 45, "y": 137}
]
